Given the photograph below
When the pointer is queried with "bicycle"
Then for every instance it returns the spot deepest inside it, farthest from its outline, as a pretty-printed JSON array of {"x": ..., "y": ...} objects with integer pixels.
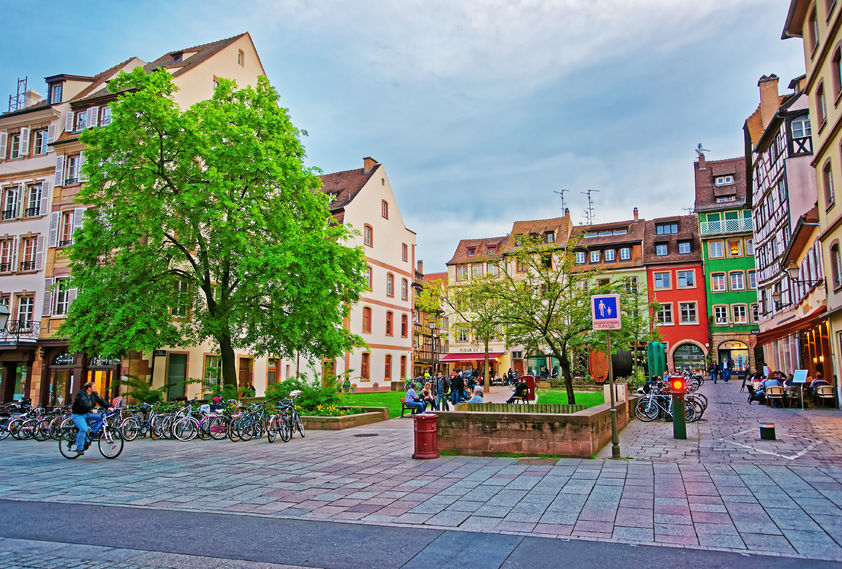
[{"x": 109, "y": 439}]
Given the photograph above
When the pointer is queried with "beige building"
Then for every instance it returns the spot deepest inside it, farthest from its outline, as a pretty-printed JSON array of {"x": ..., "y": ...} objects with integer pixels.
[{"x": 817, "y": 23}]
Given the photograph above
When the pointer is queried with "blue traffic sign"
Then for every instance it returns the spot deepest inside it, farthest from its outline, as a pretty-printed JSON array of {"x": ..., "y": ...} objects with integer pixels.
[{"x": 606, "y": 311}]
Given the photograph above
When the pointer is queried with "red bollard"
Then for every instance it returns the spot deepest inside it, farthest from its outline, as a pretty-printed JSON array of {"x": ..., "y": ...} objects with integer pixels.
[{"x": 426, "y": 444}]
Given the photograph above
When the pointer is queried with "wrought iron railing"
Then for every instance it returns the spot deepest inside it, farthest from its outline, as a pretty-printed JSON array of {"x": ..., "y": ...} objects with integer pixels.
[
  {"x": 20, "y": 331},
  {"x": 725, "y": 226}
]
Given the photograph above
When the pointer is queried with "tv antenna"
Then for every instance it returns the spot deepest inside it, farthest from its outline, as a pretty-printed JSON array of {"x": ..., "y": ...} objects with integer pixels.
[
  {"x": 589, "y": 213},
  {"x": 689, "y": 210},
  {"x": 18, "y": 100},
  {"x": 700, "y": 149},
  {"x": 561, "y": 193}
]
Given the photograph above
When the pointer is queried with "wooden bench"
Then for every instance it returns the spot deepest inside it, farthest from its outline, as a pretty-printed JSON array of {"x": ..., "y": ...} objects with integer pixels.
[{"x": 404, "y": 406}]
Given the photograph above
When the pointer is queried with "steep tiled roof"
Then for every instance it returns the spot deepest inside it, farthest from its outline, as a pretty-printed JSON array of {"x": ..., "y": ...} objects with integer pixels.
[
  {"x": 205, "y": 51},
  {"x": 633, "y": 228},
  {"x": 98, "y": 87},
  {"x": 345, "y": 186},
  {"x": 43, "y": 104},
  {"x": 560, "y": 226},
  {"x": 688, "y": 230},
  {"x": 707, "y": 192},
  {"x": 482, "y": 249}
]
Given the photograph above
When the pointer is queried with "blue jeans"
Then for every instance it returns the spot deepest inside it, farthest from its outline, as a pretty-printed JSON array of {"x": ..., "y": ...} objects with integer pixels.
[
  {"x": 726, "y": 375},
  {"x": 81, "y": 422},
  {"x": 713, "y": 375},
  {"x": 441, "y": 399},
  {"x": 454, "y": 397},
  {"x": 417, "y": 406}
]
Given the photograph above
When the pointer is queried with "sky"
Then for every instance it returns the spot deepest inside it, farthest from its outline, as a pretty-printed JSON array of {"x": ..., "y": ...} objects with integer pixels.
[{"x": 479, "y": 110}]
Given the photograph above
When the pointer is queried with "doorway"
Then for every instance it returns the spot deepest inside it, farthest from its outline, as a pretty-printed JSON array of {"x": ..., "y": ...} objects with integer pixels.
[{"x": 176, "y": 376}]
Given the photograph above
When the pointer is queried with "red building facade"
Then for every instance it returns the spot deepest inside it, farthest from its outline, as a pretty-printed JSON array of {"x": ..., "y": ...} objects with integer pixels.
[{"x": 676, "y": 283}]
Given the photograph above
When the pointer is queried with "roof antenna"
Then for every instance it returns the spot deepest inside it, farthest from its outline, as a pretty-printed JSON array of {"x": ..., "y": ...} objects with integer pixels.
[
  {"x": 561, "y": 193},
  {"x": 590, "y": 216},
  {"x": 700, "y": 150}
]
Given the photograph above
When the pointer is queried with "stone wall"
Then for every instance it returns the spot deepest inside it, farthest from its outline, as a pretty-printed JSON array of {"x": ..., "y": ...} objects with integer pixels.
[{"x": 580, "y": 434}]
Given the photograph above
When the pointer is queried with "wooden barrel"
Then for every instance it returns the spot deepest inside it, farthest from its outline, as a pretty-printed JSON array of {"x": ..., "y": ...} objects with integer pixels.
[{"x": 621, "y": 363}]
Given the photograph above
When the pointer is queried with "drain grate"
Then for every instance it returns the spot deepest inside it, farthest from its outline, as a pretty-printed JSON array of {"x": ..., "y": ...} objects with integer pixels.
[{"x": 366, "y": 435}]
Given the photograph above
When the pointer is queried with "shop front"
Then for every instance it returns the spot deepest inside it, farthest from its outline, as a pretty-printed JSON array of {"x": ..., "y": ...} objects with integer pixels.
[
  {"x": 456, "y": 362},
  {"x": 63, "y": 374},
  {"x": 800, "y": 344},
  {"x": 689, "y": 357},
  {"x": 735, "y": 353},
  {"x": 17, "y": 355}
]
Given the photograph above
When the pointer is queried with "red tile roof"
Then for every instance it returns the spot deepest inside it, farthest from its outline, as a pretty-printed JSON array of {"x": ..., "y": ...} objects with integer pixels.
[
  {"x": 707, "y": 191},
  {"x": 205, "y": 52},
  {"x": 688, "y": 230},
  {"x": 481, "y": 250},
  {"x": 345, "y": 186}
]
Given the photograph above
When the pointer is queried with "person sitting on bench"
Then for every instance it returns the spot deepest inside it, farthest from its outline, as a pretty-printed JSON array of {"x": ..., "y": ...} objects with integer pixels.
[
  {"x": 521, "y": 391},
  {"x": 415, "y": 402}
]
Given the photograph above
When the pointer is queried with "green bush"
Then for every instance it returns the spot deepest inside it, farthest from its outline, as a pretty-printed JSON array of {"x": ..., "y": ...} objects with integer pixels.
[{"x": 312, "y": 395}]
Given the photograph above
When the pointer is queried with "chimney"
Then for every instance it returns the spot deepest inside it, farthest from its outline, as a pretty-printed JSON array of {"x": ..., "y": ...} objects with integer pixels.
[
  {"x": 702, "y": 164},
  {"x": 30, "y": 98},
  {"x": 567, "y": 212},
  {"x": 636, "y": 218},
  {"x": 769, "y": 101},
  {"x": 420, "y": 266},
  {"x": 368, "y": 164}
]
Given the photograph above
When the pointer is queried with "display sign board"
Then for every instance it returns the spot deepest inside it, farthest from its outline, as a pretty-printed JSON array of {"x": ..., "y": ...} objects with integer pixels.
[
  {"x": 606, "y": 311},
  {"x": 799, "y": 376}
]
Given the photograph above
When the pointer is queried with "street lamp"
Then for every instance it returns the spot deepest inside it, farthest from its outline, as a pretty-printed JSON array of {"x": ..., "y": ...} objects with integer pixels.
[
  {"x": 4, "y": 316},
  {"x": 792, "y": 271}
]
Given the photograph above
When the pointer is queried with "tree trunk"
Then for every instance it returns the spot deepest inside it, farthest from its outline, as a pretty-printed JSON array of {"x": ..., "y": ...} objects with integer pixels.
[
  {"x": 229, "y": 370},
  {"x": 486, "y": 374},
  {"x": 564, "y": 362}
]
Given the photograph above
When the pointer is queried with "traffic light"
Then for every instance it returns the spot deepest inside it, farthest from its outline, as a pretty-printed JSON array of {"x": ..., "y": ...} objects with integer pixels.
[{"x": 677, "y": 384}]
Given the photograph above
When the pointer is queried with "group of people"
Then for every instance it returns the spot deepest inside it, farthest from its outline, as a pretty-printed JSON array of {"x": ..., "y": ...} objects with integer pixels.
[
  {"x": 722, "y": 370},
  {"x": 760, "y": 381},
  {"x": 441, "y": 391}
]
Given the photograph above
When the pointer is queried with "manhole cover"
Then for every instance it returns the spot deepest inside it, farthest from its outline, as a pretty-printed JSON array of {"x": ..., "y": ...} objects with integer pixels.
[{"x": 366, "y": 435}]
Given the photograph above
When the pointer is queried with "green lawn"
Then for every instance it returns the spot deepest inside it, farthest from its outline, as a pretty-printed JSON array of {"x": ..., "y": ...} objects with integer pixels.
[
  {"x": 559, "y": 397},
  {"x": 390, "y": 399}
]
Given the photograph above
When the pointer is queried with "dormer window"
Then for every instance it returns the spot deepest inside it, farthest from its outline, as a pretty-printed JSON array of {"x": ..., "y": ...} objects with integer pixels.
[
  {"x": 589, "y": 235},
  {"x": 55, "y": 93},
  {"x": 472, "y": 251},
  {"x": 550, "y": 236},
  {"x": 176, "y": 57},
  {"x": 724, "y": 180},
  {"x": 492, "y": 250},
  {"x": 725, "y": 199},
  {"x": 666, "y": 228}
]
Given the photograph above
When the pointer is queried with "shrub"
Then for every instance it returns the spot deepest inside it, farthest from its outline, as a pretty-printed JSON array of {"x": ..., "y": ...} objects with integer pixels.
[{"x": 312, "y": 395}]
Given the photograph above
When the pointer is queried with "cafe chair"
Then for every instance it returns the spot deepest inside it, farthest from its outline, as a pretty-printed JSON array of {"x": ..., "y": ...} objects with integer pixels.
[
  {"x": 826, "y": 393},
  {"x": 775, "y": 393},
  {"x": 794, "y": 396}
]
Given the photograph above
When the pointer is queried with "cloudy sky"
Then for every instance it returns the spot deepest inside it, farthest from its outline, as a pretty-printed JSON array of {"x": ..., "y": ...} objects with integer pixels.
[{"x": 480, "y": 109}]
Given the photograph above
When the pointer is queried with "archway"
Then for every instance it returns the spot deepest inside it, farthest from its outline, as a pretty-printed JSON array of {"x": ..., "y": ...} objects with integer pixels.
[
  {"x": 736, "y": 352},
  {"x": 689, "y": 357}
]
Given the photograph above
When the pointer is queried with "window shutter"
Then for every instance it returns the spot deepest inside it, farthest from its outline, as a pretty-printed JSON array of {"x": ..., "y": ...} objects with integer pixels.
[
  {"x": 71, "y": 296},
  {"x": 21, "y": 199},
  {"x": 54, "y": 221},
  {"x": 82, "y": 176},
  {"x": 23, "y": 149},
  {"x": 4, "y": 137},
  {"x": 48, "y": 297},
  {"x": 93, "y": 116},
  {"x": 106, "y": 115},
  {"x": 39, "y": 253},
  {"x": 15, "y": 247},
  {"x": 51, "y": 137},
  {"x": 78, "y": 216},
  {"x": 45, "y": 198},
  {"x": 59, "y": 180},
  {"x": 68, "y": 122}
]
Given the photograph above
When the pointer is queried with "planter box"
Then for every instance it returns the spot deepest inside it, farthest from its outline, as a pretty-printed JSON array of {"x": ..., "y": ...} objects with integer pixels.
[{"x": 368, "y": 416}]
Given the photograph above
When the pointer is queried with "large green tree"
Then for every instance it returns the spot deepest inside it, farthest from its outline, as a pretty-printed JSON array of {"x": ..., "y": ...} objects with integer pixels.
[{"x": 203, "y": 223}]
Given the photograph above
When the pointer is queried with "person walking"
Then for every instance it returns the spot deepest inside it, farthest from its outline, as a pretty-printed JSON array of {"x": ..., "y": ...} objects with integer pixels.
[
  {"x": 442, "y": 391},
  {"x": 726, "y": 370},
  {"x": 457, "y": 385},
  {"x": 714, "y": 371}
]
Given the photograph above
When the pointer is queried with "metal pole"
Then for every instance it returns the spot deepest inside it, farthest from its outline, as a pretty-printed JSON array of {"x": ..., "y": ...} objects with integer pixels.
[
  {"x": 679, "y": 421},
  {"x": 615, "y": 439}
]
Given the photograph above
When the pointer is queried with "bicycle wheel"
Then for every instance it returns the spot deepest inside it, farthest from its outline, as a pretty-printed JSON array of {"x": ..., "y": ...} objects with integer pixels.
[
  {"x": 299, "y": 424},
  {"x": 698, "y": 409},
  {"x": 270, "y": 429},
  {"x": 4, "y": 429},
  {"x": 55, "y": 428},
  {"x": 286, "y": 428},
  {"x": 647, "y": 410},
  {"x": 185, "y": 429},
  {"x": 67, "y": 438},
  {"x": 218, "y": 428},
  {"x": 129, "y": 428},
  {"x": 244, "y": 430},
  {"x": 110, "y": 442},
  {"x": 41, "y": 432}
]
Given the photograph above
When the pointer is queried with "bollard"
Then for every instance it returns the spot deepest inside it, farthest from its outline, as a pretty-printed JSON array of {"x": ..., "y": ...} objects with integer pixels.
[
  {"x": 426, "y": 443},
  {"x": 767, "y": 432}
]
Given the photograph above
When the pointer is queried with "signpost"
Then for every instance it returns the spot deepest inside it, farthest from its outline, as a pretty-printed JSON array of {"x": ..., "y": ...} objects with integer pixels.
[
  {"x": 605, "y": 309},
  {"x": 799, "y": 376}
]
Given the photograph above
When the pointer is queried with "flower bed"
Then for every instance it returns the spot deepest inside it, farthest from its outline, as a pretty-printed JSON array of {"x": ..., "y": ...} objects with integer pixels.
[{"x": 366, "y": 416}]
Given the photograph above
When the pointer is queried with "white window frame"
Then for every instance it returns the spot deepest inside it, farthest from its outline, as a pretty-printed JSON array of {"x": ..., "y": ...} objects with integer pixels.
[
  {"x": 610, "y": 255},
  {"x": 661, "y": 274},
  {"x": 720, "y": 245},
  {"x": 580, "y": 257},
  {"x": 594, "y": 257},
  {"x": 742, "y": 280},
  {"x": 694, "y": 306},
  {"x": 714, "y": 277},
  {"x": 667, "y": 306},
  {"x": 661, "y": 249},
  {"x": 683, "y": 244},
  {"x": 692, "y": 275},
  {"x": 625, "y": 254},
  {"x": 734, "y": 319},
  {"x": 723, "y": 311}
]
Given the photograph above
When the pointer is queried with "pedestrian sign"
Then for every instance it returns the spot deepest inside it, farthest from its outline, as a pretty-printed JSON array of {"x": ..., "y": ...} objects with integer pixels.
[{"x": 606, "y": 311}]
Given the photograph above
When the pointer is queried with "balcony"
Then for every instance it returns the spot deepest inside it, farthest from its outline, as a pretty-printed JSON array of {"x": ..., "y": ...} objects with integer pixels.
[
  {"x": 725, "y": 226},
  {"x": 22, "y": 331}
]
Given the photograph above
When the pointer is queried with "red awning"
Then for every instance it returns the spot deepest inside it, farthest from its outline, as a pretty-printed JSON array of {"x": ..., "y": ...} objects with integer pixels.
[{"x": 470, "y": 357}]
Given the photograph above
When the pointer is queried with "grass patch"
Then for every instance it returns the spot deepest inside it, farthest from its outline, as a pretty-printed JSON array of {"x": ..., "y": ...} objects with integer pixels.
[
  {"x": 559, "y": 397},
  {"x": 390, "y": 399}
]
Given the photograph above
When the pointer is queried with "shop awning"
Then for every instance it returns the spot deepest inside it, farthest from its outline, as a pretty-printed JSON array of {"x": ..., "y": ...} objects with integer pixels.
[
  {"x": 789, "y": 328},
  {"x": 474, "y": 357}
]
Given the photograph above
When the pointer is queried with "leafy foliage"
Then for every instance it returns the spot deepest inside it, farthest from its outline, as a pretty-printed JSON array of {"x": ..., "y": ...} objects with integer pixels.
[
  {"x": 141, "y": 391},
  {"x": 204, "y": 224},
  {"x": 313, "y": 395}
]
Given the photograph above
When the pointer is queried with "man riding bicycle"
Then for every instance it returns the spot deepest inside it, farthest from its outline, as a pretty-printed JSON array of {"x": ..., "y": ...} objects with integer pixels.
[{"x": 81, "y": 411}]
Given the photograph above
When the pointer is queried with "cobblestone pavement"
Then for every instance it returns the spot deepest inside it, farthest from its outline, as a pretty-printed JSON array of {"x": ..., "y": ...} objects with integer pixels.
[{"x": 720, "y": 489}]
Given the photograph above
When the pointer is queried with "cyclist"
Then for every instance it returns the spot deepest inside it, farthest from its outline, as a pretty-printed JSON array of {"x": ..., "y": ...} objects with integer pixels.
[{"x": 84, "y": 402}]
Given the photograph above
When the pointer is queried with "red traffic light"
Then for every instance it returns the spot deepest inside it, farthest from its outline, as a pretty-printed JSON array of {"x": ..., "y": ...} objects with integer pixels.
[{"x": 677, "y": 385}]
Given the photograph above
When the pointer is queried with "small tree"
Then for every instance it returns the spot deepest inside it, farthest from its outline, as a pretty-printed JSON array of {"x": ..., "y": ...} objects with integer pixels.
[{"x": 204, "y": 224}]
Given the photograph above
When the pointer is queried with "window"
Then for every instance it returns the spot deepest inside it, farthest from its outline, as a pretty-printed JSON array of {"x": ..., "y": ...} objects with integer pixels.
[
  {"x": 365, "y": 362},
  {"x": 492, "y": 250},
  {"x": 686, "y": 279},
  {"x": 384, "y": 209},
  {"x": 66, "y": 229},
  {"x": 666, "y": 228},
  {"x": 241, "y": 58},
  {"x": 404, "y": 252},
  {"x": 368, "y": 278},
  {"x": 821, "y": 106},
  {"x": 549, "y": 237},
  {"x": 631, "y": 285},
  {"x": 26, "y": 307},
  {"x": 717, "y": 282},
  {"x": 835, "y": 72},
  {"x": 27, "y": 259},
  {"x": 10, "y": 203},
  {"x": 594, "y": 256},
  {"x": 213, "y": 373},
  {"x": 688, "y": 313},
  {"x": 827, "y": 180},
  {"x": 800, "y": 126},
  {"x": 390, "y": 322},
  {"x": 610, "y": 255},
  {"x": 665, "y": 315},
  {"x": 755, "y": 314},
  {"x": 476, "y": 270},
  {"x": 55, "y": 93},
  {"x": 368, "y": 235},
  {"x": 14, "y": 146},
  {"x": 181, "y": 299},
  {"x": 715, "y": 249},
  {"x": 836, "y": 265},
  {"x": 625, "y": 254},
  {"x": 390, "y": 284},
  {"x": 740, "y": 313},
  {"x": 71, "y": 170},
  {"x": 105, "y": 116},
  {"x": 34, "y": 200},
  {"x": 684, "y": 247},
  {"x": 520, "y": 265},
  {"x": 493, "y": 269},
  {"x": 813, "y": 30},
  {"x": 403, "y": 367},
  {"x": 80, "y": 121},
  {"x": 404, "y": 325},
  {"x": 461, "y": 333},
  {"x": 366, "y": 320},
  {"x": 472, "y": 251},
  {"x": 749, "y": 247},
  {"x": 720, "y": 314},
  {"x": 661, "y": 249},
  {"x": 724, "y": 180},
  {"x": 724, "y": 199},
  {"x": 662, "y": 281},
  {"x": 752, "y": 280},
  {"x": 41, "y": 138},
  {"x": 6, "y": 246},
  {"x": 580, "y": 257},
  {"x": 387, "y": 367},
  {"x": 271, "y": 371},
  {"x": 461, "y": 272},
  {"x": 734, "y": 248},
  {"x": 404, "y": 289}
]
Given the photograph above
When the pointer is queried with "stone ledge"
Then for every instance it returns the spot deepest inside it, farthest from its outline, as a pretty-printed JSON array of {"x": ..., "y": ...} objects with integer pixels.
[{"x": 368, "y": 416}]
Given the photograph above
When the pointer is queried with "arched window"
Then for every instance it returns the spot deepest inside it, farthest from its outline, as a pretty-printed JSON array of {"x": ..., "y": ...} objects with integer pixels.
[
  {"x": 404, "y": 289},
  {"x": 821, "y": 105},
  {"x": 366, "y": 320},
  {"x": 836, "y": 265},
  {"x": 364, "y": 366},
  {"x": 390, "y": 284},
  {"x": 368, "y": 235}
]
